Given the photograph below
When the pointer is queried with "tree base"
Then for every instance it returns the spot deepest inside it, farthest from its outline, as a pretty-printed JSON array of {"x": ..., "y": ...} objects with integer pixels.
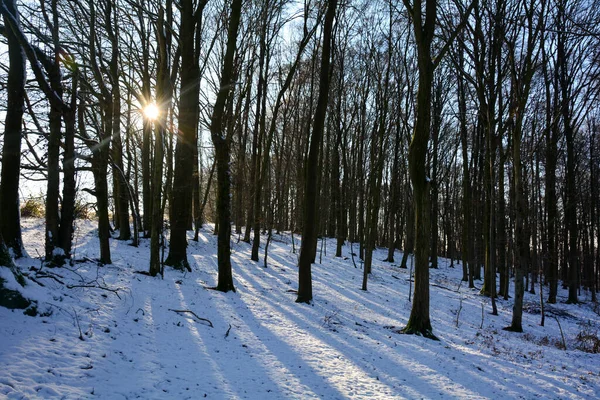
[
  {"x": 224, "y": 288},
  {"x": 425, "y": 332},
  {"x": 303, "y": 299},
  {"x": 178, "y": 264},
  {"x": 518, "y": 329},
  {"x": 13, "y": 300}
]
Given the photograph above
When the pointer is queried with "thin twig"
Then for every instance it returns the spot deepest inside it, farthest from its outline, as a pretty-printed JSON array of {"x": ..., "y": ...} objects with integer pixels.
[
  {"x": 227, "y": 333},
  {"x": 78, "y": 327},
  {"x": 412, "y": 260},
  {"x": 482, "y": 315},
  {"x": 561, "y": 333},
  {"x": 458, "y": 312}
]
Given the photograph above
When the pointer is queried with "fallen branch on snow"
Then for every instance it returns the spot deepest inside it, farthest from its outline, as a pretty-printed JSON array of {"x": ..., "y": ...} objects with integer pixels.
[
  {"x": 91, "y": 286},
  {"x": 194, "y": 314}
]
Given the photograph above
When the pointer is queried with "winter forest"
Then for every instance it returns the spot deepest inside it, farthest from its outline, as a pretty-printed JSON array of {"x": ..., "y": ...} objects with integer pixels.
[{"x": 299, "y": 198}]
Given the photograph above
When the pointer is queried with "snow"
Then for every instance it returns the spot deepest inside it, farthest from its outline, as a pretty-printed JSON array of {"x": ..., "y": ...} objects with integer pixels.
[
  {"x": 265, "y": 346},
  {"x": 8, "y": 279}
]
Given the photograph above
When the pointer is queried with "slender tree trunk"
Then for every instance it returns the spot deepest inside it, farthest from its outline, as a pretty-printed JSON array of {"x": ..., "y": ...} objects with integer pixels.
[
  {"x": 552, "y": 216},
  {"x": 67, "y": 215},
  {"x": 520, "y": 245},
  {"x": 121, "y": 192},
  {"x": 466, "y": 179},
  {"x": 53, "y": 180},
  {"x": 570, "y": 186},
  {"x": 163, "y": 97},
  {"x": 409, "y": 242},
  {"x": 394, "y": 194},
  {"x": 147, "y": 132},
  {"x": 99, "y": 167},
  {"x": 593, "y": 221},
  {"x": 501, "y": 228},
  {"x": 435, "y": 129}
]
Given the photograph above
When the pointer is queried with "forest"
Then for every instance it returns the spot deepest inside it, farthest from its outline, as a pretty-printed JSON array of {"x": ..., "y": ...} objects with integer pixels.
[{"x": 460, "y": 133}]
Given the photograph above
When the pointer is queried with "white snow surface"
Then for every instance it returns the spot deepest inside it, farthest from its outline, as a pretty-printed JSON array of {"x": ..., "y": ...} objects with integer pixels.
[{"x": 265, "y": 346}]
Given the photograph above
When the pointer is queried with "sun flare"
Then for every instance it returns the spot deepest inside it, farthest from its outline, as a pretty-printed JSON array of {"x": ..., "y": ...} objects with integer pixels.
[{"x": 151, "y": 111}]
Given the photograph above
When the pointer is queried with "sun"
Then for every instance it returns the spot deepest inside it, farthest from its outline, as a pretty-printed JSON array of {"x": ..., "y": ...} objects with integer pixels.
[{"x": 151, "y": 111}]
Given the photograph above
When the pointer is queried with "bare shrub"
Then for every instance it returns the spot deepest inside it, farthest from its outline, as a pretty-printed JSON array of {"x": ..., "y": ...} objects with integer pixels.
[{"x": 33, "y": 208}]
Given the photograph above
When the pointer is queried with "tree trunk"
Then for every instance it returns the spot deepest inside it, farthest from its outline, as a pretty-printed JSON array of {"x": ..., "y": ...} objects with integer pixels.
[
  {"x": 163, "y": 97},
  {"x": 570, "y": 185},
  {"x": 550, "y": 199},
  {"x": 67, "y": 215},
  {"x": 309, "y": 231},
  {"x": 99, "y": 168},
  {"x": 435, "y": 128},
  {"x": 520, "y": 245},
  {"x": 11, "y": 150},
  {"x": 53, "y": 182},
  {"x": 466, "y": 179},
  {"x": 222, "y": 156},
  {"x": 121, "y": 192},
  {"x": 186, "y": 142},
  {"x": 419, "y": 321}
]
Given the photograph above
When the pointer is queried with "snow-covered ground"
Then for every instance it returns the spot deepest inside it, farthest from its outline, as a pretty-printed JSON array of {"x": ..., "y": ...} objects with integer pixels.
[{"x": 264, "y": 346}]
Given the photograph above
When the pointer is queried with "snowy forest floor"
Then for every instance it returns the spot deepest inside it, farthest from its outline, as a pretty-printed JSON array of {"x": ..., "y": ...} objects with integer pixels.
[{"x": 263, "y": 345}]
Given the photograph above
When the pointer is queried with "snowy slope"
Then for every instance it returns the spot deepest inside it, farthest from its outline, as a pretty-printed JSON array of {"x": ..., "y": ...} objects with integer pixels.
[{"x": 265, "y": 346}]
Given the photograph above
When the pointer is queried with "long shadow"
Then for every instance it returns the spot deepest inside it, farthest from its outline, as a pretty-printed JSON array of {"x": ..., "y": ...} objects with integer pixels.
[
  {"x": 340, "y": 347},
  {"x": 254, "y": 343},
  {"x": 293, "y": 327},
  {"x": 417, "y": 358},
  {"x": 416, "y": 354},
  {"x": 225, "y": 362}
]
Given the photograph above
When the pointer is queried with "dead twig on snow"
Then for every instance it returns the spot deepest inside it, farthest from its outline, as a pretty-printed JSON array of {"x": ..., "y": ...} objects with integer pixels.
[
  {"x": 562, "y": 335},
  {"x": 194, "y": 314},
  {"x": 115, "y": 291}
]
